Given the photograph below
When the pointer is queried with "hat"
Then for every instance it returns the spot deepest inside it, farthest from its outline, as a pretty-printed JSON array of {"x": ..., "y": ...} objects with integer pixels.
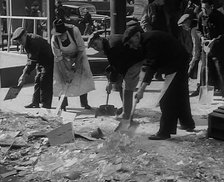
[
  {"x": 58, "y": 27},
  {"x": 93, "y": 37},
  {"x": 18, "y": 33},
  {"x": 183, "y": 18},
  {"x": 129, "y": 32}
]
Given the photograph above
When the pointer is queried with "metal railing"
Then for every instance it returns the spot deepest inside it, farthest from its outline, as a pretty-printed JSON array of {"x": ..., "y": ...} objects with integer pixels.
[{"x": 23, "y": 18}]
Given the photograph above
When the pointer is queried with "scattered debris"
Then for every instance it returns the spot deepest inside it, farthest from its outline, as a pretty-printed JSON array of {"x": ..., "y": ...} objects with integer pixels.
[
  {"x": 81, "y": 156},
  {"x": 61, "y": 135},
  {"x": 10, "y": 173},
  {"x": 97, "y": 134},
  {"x": 73, "y": 175}
]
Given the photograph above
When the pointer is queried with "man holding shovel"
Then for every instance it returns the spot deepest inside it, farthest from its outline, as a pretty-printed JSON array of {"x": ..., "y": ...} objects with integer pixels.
[
  {"x": 124, "y": 67},
  {"x": 210, "y": 30},
  {"x": 164, "y": 53},
  {"x": 39, "y": 56}
]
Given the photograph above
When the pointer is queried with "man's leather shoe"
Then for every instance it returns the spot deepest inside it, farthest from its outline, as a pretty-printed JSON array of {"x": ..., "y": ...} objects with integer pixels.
[
  {"x": 63, "y": 108},
  {"x": 119, "y": 111},
  {"x": 159, "y": 78},
  {"x": 195, "y": 93},
  {"x": 159, "y": 137},
  {"x": 87, "y": 107},
  {"x": 45, "y": 106},
  {"x": 32, "y": 105},
  {"x": 188, "y": 129}
]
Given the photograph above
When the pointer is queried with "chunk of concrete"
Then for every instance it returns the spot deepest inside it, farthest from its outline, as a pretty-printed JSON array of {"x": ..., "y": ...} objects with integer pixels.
[{"x": 61, "y": 135}]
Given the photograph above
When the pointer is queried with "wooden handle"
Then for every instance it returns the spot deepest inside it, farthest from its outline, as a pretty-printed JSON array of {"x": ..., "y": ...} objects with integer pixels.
[
  {"x": 107, "y": 98},
  {"x": 133, "y": 109},
  {"x": 57, "y": 111}
]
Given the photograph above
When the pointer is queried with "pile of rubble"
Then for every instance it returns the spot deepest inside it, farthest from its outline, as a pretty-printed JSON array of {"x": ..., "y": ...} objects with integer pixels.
[{"x": 42, "y": 147}]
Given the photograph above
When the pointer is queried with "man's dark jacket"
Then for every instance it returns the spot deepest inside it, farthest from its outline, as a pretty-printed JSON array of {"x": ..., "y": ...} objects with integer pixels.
[
  {"x": 211, "y": 26},
  {"x": 163, "y": 53},
  {"x": 120, "y": 57},
  {"x": 39, "y": 53}
]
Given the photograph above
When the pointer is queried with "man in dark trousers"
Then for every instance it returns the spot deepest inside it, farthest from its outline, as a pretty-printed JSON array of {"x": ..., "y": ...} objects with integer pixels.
[
  {"x": 39, "y": 56},
  {"x": 88, "y": 22},
  {"x": 124, "y": 67},
  {"x": 165, "y": 54}
]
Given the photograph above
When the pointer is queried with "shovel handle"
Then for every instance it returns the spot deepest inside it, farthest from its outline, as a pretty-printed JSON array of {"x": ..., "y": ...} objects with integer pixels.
[
  {"x": 64, "y": 92},
  {"x": 133, "y": 109},
  {"x": 107, "y": 98}
]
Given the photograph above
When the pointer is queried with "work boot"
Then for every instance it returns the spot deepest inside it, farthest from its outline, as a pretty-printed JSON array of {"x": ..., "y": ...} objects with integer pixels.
[
  {"x": 88, "y": 107},
  {"x": 196, "y": 92},
  {"x": 46, "y": 106},
  {"x": 84, "y": 102},
  {"x": 159, "y": 77},
  {"x": 64, "y": 103},
  {"x": 159, "y": 136},
  {"x": 119, "y": 111},
  {"x": 32, "y": 105},
  {"x": 188, "y": 129}
]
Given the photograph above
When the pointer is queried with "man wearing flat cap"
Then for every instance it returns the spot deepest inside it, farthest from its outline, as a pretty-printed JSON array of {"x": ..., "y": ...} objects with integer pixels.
[
  {"x": 210, "y": 30},
  {"x": 165, "y": 54},
  {"x": 192, "y": 42},
  {"x": 124, "y": 68},
  {"x": 39, "y": 56}
]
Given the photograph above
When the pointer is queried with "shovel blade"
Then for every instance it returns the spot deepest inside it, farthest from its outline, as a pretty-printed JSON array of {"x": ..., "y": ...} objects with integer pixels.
[
  {"x": 123, "y": 125},
  {"x": 127, "y": 127},
  {"x": 206, "y": 94},
  {"x": 106, "y": 110},
  {"x": 133, "y": 124},
  {"x": 12, "y": 92}
]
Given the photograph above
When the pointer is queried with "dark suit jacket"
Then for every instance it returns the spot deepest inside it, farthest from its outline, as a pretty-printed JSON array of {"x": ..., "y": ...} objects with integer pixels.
[
  {"x": 163, "y": 53},
  {"x": 120, "y": 58}
]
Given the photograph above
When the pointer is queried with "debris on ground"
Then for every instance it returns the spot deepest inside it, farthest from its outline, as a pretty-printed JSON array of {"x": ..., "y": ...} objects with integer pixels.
[{"x": 92, "y": 152}]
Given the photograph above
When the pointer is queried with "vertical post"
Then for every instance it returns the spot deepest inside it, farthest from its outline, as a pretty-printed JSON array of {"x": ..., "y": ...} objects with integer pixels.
[
  {"x": 50, "y": 17},
  {"x": 35, "y": 27},
  {"x": 9, "y": 22},
  {"x": 118, "y": 16}
]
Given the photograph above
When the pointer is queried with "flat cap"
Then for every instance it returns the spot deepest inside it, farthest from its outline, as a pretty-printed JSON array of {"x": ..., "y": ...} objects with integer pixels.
[
  {"x": 129, "y": 32},
  {"x": 92, "y": 37},
  {"x": 18, "y": 33}
]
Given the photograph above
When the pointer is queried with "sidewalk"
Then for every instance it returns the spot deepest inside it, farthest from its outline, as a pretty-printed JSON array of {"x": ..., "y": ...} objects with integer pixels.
[{"x": 98, "y": 97}]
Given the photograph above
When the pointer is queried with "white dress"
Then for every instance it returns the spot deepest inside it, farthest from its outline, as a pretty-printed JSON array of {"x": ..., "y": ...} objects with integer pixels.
[{"x": 82, "y": 78}]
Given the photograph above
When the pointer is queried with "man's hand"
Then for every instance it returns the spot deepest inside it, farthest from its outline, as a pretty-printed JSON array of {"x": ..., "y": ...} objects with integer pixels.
[
  {"x": 203, "y": 40},
  {"x": 74, "y": 67},
  {"x": 109, "y": 87},
  {"x": 22, "y": 80},
  {"x": 140, "y": 92}
]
